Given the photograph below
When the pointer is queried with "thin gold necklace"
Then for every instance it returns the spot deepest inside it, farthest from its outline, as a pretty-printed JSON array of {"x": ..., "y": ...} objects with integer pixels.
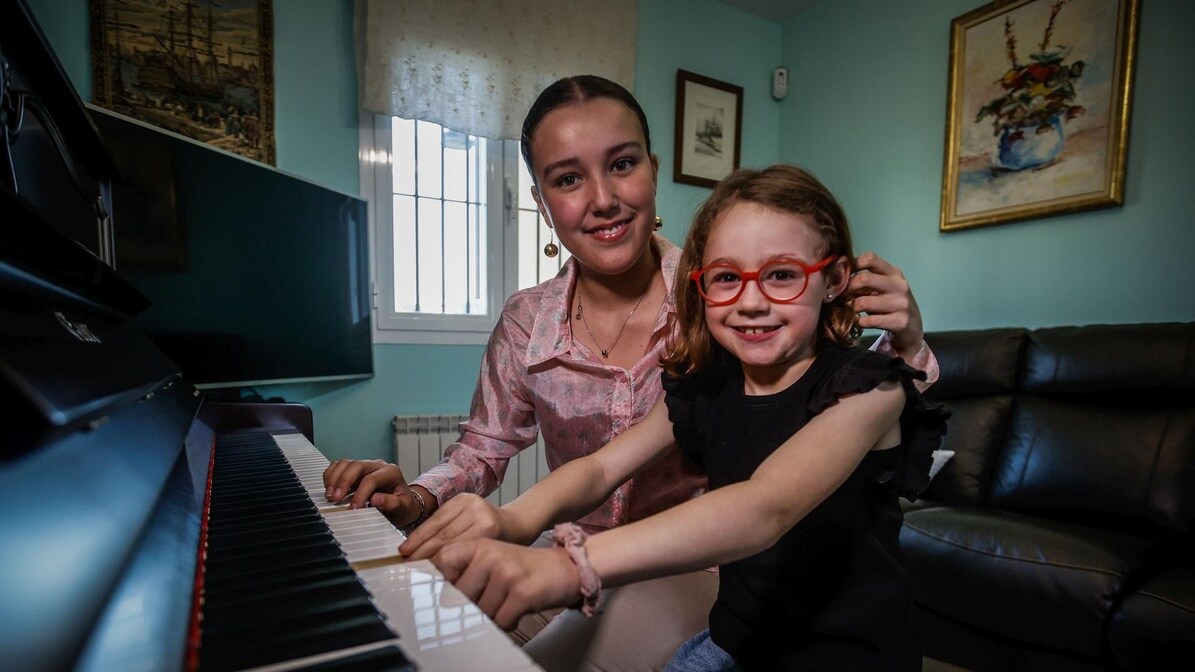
[{"x": 581, "y": 316}]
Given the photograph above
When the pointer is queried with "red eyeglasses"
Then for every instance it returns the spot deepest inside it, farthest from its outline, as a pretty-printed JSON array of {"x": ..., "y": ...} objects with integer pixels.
[{"x": 781, "y": 281}]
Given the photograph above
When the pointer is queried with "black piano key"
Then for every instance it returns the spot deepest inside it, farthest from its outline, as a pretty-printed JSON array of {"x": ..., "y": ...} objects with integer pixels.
[
  {"x": 279, "y": 534},
  {"x": 278, "y": 490},
  {"x": 238, "y": 634},
  {"x": 280, "y": 512},
  {"x": 281, "y": 492},
  {"x": 268, "y": 554},
  {"x": 331, "y": 635},
  {"x": 232, "y": 584},
  {"x": 277, "y": 564},
  {"x": 295, "y": 602},
  {"x": 277, "y": 560},
  {"x": 265, "y": 524}
]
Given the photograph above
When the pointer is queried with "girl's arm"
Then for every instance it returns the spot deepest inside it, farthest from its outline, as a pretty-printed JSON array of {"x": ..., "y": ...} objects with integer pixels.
[
  {"x": 723, "y": 525},
  {"x": 745, "y": 518},
  {"x": 566, "y": 494}
]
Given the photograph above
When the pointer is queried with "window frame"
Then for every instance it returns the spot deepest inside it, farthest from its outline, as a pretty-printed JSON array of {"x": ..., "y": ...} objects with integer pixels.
[{"x": 389, "y": 326}]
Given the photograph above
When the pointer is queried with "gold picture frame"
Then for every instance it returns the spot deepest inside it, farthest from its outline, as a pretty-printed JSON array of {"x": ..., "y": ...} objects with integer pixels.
[
  {"x": 199, "y": 68},
  {"x": 707, "y": 112},
  {"x": 1037, "y": 120}
]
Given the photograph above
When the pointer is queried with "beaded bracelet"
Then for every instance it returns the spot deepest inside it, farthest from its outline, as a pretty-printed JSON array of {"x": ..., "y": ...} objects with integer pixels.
[
  {"x": 409, "y": 527},
  {"x": 572, "y": 539}
]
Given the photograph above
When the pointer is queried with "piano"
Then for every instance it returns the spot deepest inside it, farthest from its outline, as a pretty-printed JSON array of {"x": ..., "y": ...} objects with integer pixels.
[{"x": 142, "y": 527}]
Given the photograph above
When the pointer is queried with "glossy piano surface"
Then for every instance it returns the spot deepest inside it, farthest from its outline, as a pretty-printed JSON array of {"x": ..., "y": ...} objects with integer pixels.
[{"x": 438, "y": 627}]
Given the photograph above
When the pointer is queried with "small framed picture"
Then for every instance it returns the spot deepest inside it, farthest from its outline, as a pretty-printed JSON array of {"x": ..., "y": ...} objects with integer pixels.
[{"x": 709, "y": 129}]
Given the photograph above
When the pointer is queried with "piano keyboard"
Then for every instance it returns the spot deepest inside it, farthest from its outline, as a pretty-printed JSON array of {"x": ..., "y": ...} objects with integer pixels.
[{"x": 371, "y": 610}]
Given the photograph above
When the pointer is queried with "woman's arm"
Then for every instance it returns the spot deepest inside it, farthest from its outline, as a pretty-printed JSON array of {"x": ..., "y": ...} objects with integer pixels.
[
  {"x": 567, "y": 493},
  {"x": 501, "y": 423},
  {"x": 721, "y": 526},
  {"x": 885, "y": 301}
]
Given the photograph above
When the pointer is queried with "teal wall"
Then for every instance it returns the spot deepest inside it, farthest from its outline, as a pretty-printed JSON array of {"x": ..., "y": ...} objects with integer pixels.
[
  {"x": 681, "y": 34},
  {"x": 866, "y": 112}
]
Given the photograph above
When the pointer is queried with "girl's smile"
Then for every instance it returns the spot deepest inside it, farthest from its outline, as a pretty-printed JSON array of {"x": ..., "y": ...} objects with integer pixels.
[{"x": 773, "y": 341}]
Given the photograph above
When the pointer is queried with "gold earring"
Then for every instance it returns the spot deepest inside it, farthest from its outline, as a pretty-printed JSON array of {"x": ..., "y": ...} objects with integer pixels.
[
  {"x": 658, "y": 224},
  {"x": 550, "y": 250}
]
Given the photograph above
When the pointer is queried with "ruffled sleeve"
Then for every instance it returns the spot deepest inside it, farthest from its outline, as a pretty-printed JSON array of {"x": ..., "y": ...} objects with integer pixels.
[
  {"x": 922, "y": 423},
  {"x": 689, "y": 400}
]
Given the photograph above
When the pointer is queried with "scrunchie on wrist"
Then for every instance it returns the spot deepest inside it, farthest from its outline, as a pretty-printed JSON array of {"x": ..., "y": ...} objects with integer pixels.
[{"x": 572, "y": 538}]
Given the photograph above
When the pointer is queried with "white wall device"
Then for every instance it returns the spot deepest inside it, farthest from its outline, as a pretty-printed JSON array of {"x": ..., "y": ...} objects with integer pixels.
[{"x": 780, "y": 83}]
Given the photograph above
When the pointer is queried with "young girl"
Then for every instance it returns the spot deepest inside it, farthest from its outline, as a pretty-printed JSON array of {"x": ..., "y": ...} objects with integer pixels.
[{"x": 807, "y": 443}]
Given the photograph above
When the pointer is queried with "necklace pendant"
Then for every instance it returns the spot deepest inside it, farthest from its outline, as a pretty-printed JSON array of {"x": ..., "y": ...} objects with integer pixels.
[{"x": 605, "y": 354}]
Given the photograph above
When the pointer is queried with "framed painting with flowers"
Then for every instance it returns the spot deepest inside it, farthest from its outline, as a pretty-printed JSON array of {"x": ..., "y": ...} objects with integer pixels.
[{"x": 1038, "y": 110}]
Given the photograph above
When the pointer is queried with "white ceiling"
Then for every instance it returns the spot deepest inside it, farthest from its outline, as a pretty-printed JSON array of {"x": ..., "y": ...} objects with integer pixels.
[{"x": 776, "y": 10}]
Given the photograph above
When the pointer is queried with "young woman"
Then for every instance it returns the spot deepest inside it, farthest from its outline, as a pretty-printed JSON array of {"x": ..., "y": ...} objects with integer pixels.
[
  {"x": 576, "y": 359},
  {"x": 808, "y": 443}
]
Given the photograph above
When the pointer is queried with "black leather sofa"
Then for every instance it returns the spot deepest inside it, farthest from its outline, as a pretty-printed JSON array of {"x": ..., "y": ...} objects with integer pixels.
[{"x": 1060, "y": 535}]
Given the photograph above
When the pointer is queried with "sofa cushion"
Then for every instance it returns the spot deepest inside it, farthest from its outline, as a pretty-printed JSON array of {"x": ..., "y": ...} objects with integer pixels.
[
  {"x": 976, "y": 427},
  {"x": 1050, "y": 583},
  {"x": 1123, "y": 466},
  {"x": 1104, "y": 427},
  {"x": 978, "y": 374},
  {"x": 976, "y": 363},
  {"x": 1151, "y": 363},
  {"x": 1155, "y": 625}
]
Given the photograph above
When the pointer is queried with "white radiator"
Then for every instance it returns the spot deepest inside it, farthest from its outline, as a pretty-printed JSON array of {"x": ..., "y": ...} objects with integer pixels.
[{"x": 420, "y": 440}]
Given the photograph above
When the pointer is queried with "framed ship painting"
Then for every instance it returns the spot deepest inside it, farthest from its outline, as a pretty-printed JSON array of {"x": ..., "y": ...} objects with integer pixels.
[
  {"x": 1038, "y": 112},
  {"x": 200, "y": 68}
]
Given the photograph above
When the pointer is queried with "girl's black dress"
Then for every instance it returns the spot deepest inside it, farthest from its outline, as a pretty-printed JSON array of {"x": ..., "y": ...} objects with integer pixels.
[{"x": 832, "y": 593}]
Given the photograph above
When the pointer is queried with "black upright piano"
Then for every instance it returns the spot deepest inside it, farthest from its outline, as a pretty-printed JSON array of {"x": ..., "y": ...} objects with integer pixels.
[{"x": 141, "y": 527}]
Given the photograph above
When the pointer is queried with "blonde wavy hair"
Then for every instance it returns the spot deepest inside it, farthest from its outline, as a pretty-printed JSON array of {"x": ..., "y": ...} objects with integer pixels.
[{"x": 782, "y": 187}]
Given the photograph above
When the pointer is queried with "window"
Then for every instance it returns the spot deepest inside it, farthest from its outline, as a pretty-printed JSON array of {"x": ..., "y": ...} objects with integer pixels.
[{"x": 455, "y": 230}]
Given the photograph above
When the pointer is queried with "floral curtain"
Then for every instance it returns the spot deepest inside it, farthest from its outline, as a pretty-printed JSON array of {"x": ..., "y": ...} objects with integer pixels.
[{"x": 477, "y": 65}]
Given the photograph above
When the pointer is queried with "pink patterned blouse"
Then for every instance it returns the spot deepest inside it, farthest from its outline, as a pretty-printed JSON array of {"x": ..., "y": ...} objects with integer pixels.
[{"x": 534, "y": 379}]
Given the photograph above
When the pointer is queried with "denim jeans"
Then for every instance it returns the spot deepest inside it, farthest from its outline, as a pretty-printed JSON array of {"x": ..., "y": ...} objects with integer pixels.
[{"x": 701, "y": 654}]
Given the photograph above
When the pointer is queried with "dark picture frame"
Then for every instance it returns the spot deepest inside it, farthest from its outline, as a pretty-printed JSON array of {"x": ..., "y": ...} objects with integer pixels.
[
  {"x": 709, "y": 129},
  {"x": 199, "y": 68},
  {"x": 1038, "y": 110}
]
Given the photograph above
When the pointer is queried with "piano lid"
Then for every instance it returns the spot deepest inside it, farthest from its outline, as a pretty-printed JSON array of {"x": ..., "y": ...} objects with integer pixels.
[
  {"x": 69, "y": 353},
  {"x": 53, "y": 156},
  {"x": 69, "y": 350}
]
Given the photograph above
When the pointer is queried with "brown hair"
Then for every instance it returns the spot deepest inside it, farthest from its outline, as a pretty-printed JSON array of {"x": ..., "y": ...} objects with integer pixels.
[
  {"x": 570, "y": 91},
  {"x": 782, "y": 187}
]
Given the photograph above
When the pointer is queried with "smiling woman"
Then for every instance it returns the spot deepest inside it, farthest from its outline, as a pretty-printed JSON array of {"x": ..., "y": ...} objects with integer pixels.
[{"x": 592, "y": 176}]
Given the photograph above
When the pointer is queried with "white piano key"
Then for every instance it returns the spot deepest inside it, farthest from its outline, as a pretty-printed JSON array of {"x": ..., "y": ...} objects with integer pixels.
[{"x": 439, "y": 628}]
